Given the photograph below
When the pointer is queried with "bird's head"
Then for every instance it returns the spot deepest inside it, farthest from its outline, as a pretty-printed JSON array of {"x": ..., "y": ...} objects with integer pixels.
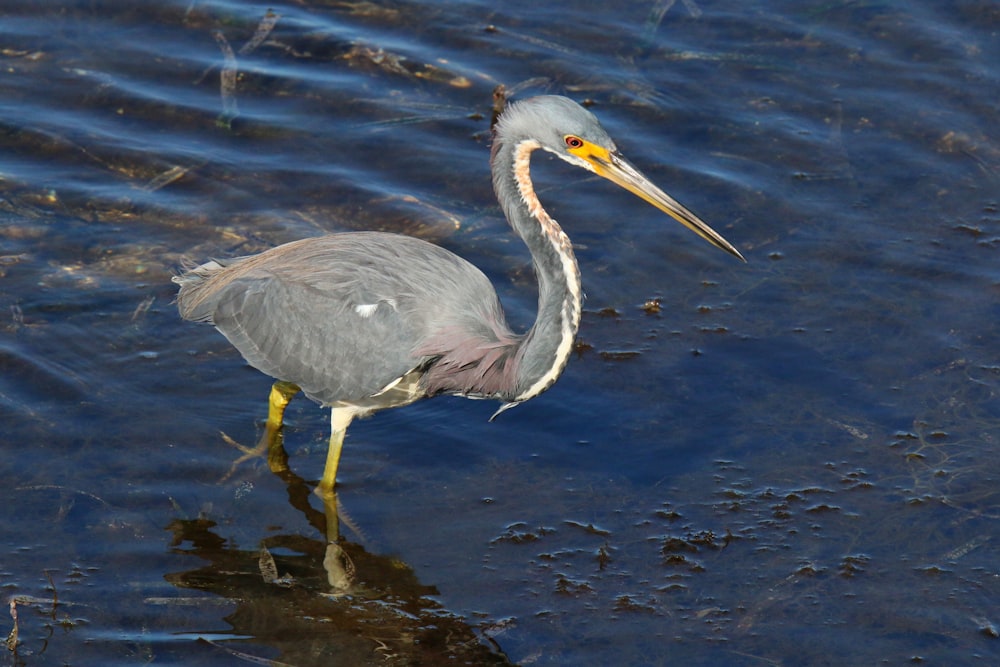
[{"x": 566, "y": 129}]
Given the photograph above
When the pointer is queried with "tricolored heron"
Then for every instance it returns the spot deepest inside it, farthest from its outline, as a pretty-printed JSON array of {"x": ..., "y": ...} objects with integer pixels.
[{"x": 364, "y": 321}]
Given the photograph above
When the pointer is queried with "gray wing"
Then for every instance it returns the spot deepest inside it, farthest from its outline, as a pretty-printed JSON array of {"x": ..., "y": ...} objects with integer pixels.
[{"x": 344, "y": 315}]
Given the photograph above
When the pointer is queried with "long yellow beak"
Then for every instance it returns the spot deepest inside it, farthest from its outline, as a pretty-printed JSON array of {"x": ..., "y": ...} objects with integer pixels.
[{"x": 617, "y": 169}]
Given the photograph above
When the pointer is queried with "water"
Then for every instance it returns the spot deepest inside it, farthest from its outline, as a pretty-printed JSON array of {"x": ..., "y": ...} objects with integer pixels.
[{"x": 792, "y": 461}]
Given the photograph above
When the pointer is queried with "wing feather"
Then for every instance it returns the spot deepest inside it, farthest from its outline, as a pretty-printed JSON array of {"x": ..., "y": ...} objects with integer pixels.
[{"x": 342, "y": 316}]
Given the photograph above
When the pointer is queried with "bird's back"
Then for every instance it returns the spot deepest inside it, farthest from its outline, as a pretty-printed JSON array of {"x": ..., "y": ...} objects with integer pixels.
[{"x": 345, "y": 315}]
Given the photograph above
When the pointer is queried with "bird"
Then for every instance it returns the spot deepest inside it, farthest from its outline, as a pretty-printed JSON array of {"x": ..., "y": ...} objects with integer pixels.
[{"x": 364, "y": 321}]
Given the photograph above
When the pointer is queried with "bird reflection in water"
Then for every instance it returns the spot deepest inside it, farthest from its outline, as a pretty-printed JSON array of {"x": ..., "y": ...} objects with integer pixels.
[{"x": 357, "y": 608}]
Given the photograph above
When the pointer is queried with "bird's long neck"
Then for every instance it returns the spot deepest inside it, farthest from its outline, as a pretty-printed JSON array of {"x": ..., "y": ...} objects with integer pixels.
[{"x": 546, "y": 348}]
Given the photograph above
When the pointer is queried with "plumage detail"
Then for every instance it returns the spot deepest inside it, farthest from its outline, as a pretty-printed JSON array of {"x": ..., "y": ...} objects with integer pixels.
[{"x": 295, "y": 326}]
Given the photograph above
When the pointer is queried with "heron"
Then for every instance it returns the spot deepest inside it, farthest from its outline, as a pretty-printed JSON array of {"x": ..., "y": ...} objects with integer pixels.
[{"x": 364, "y": 321}]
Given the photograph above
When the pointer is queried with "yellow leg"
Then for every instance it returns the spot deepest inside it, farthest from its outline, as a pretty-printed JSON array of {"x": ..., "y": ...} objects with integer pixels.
[
  {"x": 340, "y": 418},
  {"x": 270, "y": 440},
  {"x": 281, "y": 393}
]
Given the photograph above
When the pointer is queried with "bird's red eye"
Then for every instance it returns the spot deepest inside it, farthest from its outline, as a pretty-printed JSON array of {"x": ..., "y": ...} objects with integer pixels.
[{"x": 573, "y": 142}]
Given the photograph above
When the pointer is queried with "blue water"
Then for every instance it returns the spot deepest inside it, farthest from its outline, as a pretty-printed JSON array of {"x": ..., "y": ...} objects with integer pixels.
[{"x": 791, "y": 461}]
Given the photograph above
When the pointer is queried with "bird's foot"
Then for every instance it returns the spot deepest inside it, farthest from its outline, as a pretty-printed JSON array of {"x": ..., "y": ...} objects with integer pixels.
[
  {"x": 269, "y": 446},
  {"x": 340, "y": 570}
]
